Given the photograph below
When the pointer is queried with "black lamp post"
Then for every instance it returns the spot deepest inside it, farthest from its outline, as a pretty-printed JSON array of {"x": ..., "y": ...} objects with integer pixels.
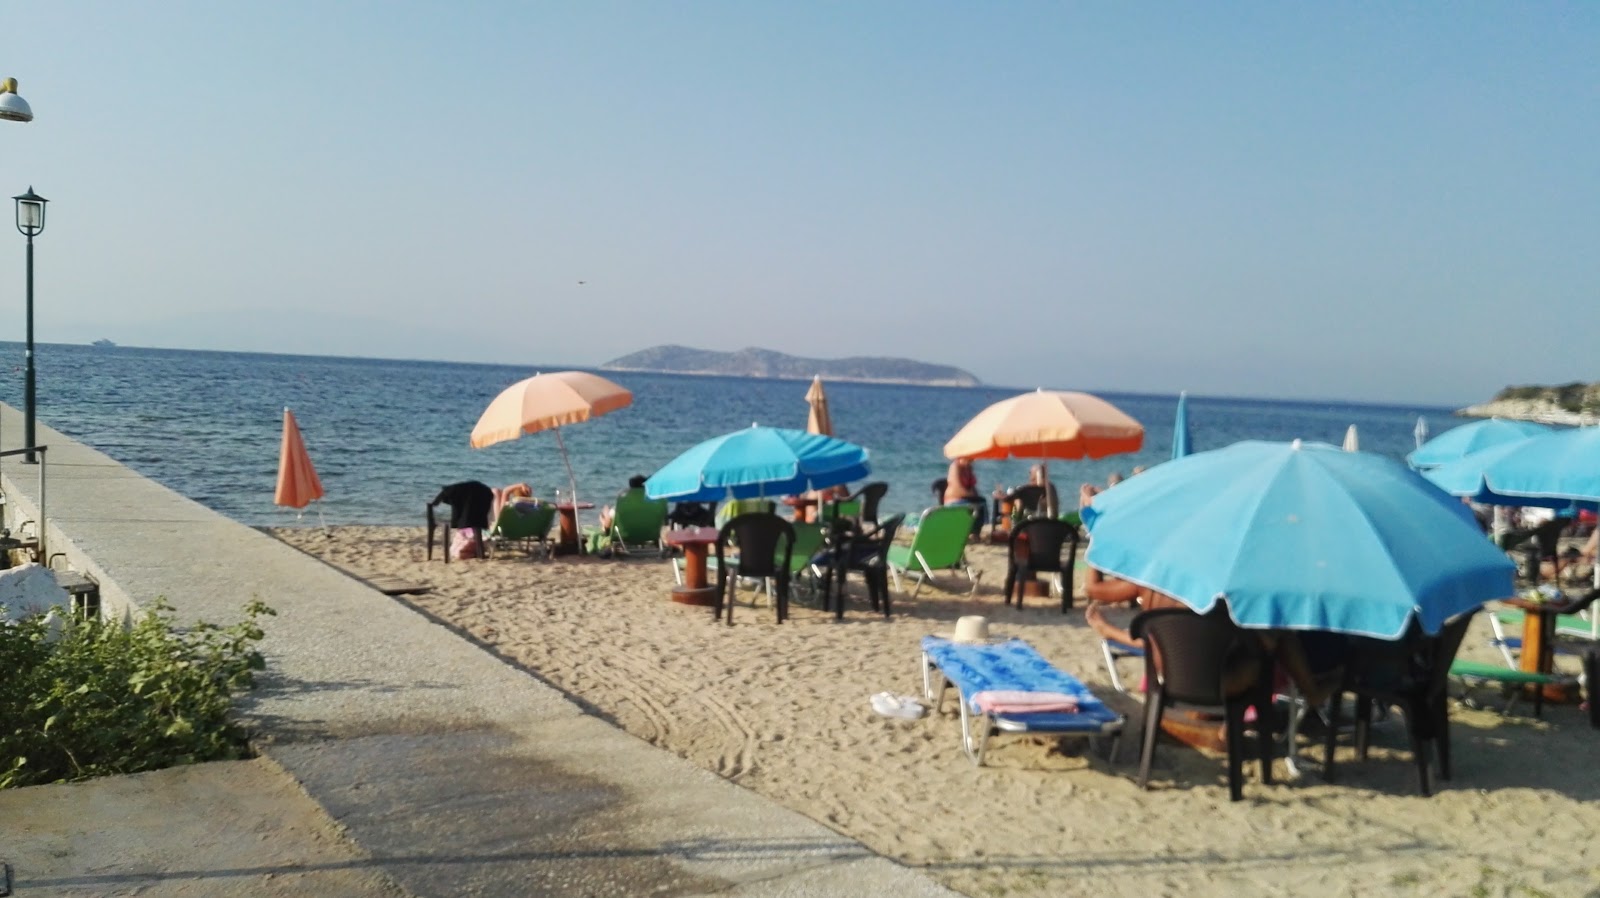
[{"x": 30, "y": 221}]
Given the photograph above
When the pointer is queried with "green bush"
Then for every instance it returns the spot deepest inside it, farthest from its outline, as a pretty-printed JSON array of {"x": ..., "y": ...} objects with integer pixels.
[{"x": 99, "y": 699}]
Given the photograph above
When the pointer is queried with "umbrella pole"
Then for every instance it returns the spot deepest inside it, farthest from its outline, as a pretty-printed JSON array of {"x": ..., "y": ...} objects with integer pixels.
[{"x": 571, "y": 479}]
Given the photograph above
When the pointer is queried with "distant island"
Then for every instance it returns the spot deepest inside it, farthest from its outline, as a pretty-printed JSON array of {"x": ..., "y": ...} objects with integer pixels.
[
  {"x": 1574, "y": 403},
  {"x": 754, "y": 362}
]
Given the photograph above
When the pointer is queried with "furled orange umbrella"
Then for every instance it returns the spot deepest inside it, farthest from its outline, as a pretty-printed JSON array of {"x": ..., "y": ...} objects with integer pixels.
[
  {"x": 546, "y": 402},
  {"x": 1047, "y": 424},
  {"x": 298, "y": 483},
  {"x": 819, "y": 421}
]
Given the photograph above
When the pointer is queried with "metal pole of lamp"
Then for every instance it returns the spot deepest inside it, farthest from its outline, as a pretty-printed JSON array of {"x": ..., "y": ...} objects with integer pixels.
[{"x": 30, "y": 222}]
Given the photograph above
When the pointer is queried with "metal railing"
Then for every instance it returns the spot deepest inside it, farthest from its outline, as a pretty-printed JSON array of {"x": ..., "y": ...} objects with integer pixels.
[{"x": 39, "y": 525}]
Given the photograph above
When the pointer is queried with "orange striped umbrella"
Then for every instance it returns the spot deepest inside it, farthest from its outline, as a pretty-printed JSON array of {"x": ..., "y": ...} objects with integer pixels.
[
  {"x": 298, "y": 483},
  {"x": 546, "y": 402}
]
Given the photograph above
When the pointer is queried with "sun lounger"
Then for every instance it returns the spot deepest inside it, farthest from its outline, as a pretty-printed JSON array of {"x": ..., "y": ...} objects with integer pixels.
[{"x": 1008, "y": 687}]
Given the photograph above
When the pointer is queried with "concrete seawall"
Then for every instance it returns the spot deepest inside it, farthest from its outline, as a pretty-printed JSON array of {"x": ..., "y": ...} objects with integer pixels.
[{"x": 455, "y": 772}]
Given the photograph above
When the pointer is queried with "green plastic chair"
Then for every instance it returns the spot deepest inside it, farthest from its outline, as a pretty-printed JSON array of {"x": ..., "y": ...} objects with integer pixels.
[
  {"x": 939, "y": 544},
  {"x": 524, "y": 523},
  {"x": 636, "y": 522}
]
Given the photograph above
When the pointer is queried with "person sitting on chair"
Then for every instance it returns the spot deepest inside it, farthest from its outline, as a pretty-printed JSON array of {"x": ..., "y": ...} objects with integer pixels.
[{"x": 961, "y": 488}]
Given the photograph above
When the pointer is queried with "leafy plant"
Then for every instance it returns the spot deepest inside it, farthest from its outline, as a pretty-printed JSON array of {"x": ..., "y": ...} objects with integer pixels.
[{"x": 95, "y": 699}]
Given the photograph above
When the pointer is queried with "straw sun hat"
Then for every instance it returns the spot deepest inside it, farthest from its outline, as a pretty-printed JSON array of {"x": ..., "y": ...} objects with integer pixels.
[{"x": 973, "y": 629}]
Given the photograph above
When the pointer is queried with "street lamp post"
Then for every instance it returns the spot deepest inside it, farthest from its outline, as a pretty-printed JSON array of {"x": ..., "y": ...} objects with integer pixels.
[{"x": 30, "y": 221}]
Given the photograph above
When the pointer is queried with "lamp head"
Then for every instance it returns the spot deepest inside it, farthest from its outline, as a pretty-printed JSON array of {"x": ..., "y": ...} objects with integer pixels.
[
  {"x": 12, "y": 107},
  {"x": 30, "y": 213}
]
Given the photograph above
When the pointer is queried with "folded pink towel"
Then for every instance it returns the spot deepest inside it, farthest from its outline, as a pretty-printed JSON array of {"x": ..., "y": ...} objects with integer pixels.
[{"x": 1012, "y": 701}]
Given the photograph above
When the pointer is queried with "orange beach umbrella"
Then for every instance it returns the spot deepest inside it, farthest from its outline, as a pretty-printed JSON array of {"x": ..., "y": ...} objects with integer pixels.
[
  {"x": 1047, "y": 424},
  {"x": 547, "y": 402},
  {"x": 819, "y": 421},
  {"x": 298, "y": 483}
]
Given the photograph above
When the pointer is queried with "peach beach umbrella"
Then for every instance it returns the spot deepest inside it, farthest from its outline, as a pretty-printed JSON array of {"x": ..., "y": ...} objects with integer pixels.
[
  {"x": 298, "y": 483},
  {"x": 547, "y": 402},
  {"x": 1047, "y": 424},
  {"x": 819, "y": 421}
]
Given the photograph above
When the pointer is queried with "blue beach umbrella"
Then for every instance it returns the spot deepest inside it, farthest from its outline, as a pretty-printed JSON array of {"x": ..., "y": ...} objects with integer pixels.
[
  {"x": 1469, "y": 438},
  {"x": 1556, "y": 469},
  {"x": 1180, "y": 428},
  {"x": 758, "y": 461},
  {"x": 1300, "y": 536}
]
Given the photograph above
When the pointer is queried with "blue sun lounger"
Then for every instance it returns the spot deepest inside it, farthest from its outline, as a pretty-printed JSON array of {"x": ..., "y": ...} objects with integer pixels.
[{"x": 998, "y": 684}]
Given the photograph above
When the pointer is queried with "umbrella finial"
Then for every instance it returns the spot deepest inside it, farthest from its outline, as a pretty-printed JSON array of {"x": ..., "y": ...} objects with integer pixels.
[{"x": 1295, "y": 445}]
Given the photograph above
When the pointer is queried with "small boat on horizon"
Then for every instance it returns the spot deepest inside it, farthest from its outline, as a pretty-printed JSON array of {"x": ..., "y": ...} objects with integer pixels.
[{"x": 103, "y": 343}]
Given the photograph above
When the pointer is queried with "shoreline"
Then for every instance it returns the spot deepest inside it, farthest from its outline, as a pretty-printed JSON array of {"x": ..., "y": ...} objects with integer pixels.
[
  {"x": 783, "y": 710},
  {"x": 1528, "y": 410}
]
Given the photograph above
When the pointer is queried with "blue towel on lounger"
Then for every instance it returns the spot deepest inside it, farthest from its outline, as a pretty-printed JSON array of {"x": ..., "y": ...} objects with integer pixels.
[{"x": 1015, "y": 666}]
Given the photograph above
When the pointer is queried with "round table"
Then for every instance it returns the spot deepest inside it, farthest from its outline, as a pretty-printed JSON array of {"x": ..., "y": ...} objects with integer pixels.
[
  {"x": 695, "y": 542},
  {"x": 567, "y": 542}
]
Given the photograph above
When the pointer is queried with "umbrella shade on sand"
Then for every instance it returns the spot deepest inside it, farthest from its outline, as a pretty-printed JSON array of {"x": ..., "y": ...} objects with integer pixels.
[
  {"x": 1459, "y": 442},
  {"x": 758, "y": 461},
  {"x": 1047, "y": 424},
  {"x": 549, "y": 402},
  {"x": 298, "y": 483},
  {"x": 1299, "y": 536},
  {"x": 818, "y": 421}
]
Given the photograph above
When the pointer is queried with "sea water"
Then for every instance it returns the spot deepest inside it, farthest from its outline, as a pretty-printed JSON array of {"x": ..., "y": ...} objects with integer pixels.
[{"x": 385, "y": 435}]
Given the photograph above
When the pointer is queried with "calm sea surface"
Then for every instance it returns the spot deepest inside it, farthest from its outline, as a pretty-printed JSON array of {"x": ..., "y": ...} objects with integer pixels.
[{"x": 385, "y": 435}]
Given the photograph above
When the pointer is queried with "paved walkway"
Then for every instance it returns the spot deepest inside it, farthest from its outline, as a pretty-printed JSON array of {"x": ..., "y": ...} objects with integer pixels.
[{"x": 452, "y": 772}]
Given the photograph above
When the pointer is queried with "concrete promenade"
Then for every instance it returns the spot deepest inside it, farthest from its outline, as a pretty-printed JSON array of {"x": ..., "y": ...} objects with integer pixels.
[{"x": 444, "y": 770}]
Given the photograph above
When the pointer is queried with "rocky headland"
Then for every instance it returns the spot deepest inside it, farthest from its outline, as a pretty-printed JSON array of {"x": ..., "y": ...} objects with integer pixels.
[
  {"x": 1576, "y": 404},
  {"x": 754, "y": 362}
]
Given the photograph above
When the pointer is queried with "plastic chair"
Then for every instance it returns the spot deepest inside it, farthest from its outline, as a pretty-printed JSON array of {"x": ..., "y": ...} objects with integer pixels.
[
  {"x": 636, "y": 522},
  {"x": 869, "y": 496},
  {"x": 1413, "y": 673},
  {"x": 1037, "y": 548},
  {"x": 1205, "y": 660},
  {"x": 525, "y": 523},
  {"x": 940, "y": 544},
  {"x": 866, "y": 553},
  {"x": 766, "y": 546}
]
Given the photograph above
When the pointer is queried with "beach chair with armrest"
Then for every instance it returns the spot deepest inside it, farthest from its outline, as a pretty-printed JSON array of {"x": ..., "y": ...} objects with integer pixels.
[
  {"x": 1041, "y": 546},
  {"x": 765, "y": 544},
  {"x": 1206, "y": 660},
  {"x": 1412, "y": 672},
  {"x": 939, "y": 544},
  {"x": 1009, "y": 688},
  {"x": 525, "y": 524},
  {"x": 636, "y": 522},
  {"x": 865, "y": 553},
  {"x": 870, "y": 495}
]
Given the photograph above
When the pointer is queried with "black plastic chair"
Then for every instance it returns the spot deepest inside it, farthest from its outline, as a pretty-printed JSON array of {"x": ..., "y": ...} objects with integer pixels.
[
  {"x": 1199, "y": 657},
  {"x": 866, "y": 553},
  {"x": 766, "y": 546},
  {"x": 869, "y": 496},
  {"x": 1041, "y": 546},
  {"x": 1413, "y": 673}
]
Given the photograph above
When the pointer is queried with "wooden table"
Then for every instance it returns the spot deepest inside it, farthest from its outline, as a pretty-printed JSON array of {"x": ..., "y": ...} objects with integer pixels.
[
  {"x": 1539, "y": 642},
  {"x": 567, "y": 542},
  {"x": 805, "y": 507},
  {"x": 694, "y": 541}
]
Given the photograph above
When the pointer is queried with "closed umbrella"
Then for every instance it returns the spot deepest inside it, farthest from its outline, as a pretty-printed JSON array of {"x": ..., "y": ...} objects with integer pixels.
[
  {"x": 298, "y": 483},
  {"x": 1047, "y": 424},
  {"x": 1352, "y": 440},
  {"x": 758, "y": 461},
  {"x": 549, "y": 402},
  {"x": 818, "y": 420},
  {"x": 1462, "y": 441},
  {"x": 1180, "y": 428},
  {"x": 1299, "y": 536},
  {"x": 1420, "y": 432}
]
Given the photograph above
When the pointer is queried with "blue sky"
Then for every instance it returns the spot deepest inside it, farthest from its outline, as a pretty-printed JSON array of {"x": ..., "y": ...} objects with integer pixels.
[{"x": 1391, "y": 202}]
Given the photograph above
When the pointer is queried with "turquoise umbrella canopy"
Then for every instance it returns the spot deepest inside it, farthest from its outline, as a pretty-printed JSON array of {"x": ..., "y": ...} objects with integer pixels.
[
  {"x": 758, "y": 461},
  {"x": 1300, "y": 536},
  {"x": 1469, "y": 438},
  {"x": 1555, "y": 469}
]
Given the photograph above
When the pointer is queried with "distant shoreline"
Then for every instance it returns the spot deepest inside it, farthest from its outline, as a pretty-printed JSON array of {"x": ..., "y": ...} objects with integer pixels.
[{"x": 904, "y": 382}]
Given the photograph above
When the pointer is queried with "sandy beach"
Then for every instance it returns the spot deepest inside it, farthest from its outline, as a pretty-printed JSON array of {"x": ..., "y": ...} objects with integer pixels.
[{"x": 784, "y": 710}]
